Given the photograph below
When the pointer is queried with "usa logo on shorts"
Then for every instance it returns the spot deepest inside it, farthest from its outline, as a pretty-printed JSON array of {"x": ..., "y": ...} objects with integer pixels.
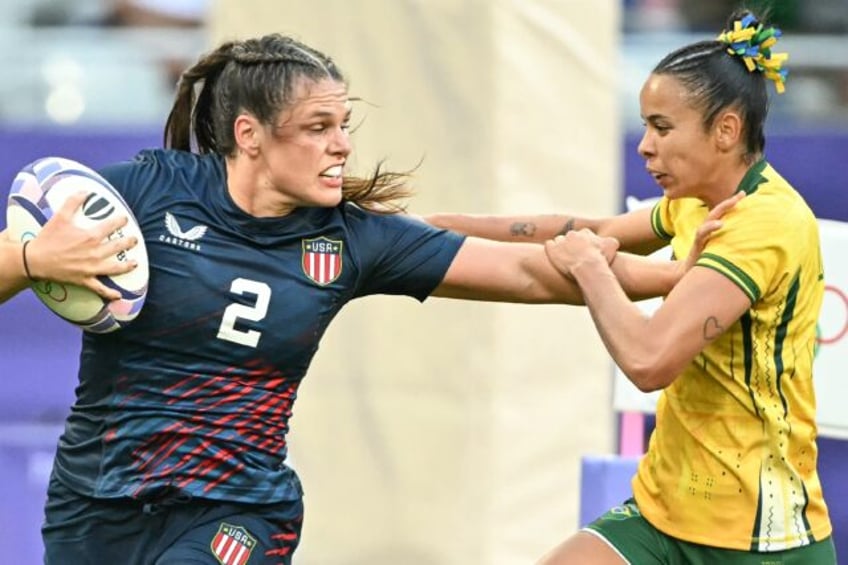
[
  {"x": 232, "y": 545},
  {"x": 322, "y": 259}
]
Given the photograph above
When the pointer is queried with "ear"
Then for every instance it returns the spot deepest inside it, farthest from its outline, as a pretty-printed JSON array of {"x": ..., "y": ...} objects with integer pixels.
[
  {"x": 247, "y": 132},
  {"x": 728, "y": 128}
]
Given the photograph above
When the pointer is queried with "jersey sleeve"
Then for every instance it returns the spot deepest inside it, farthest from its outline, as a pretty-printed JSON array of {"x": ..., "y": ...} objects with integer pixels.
[
  {"x": 661, "y": 220},
  {"x": 401, "y": 255},
  {"x": 751, "y": 246}
]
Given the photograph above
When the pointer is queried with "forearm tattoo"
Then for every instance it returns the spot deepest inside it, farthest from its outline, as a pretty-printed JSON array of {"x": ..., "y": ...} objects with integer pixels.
[
  {"x": 712, "y": 329},
  {"x": 569, "y": 225},
  {"x": 526, "y": 229}
]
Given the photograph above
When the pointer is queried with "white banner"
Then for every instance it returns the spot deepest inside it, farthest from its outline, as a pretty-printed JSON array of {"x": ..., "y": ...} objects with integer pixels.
[{"x": 830, "y": 375}]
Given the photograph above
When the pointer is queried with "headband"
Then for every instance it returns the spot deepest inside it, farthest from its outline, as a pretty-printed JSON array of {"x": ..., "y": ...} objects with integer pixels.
[{"x": 752, "y": 42}]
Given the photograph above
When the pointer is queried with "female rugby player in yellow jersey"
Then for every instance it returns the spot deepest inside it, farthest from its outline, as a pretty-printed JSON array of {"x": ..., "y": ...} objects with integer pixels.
[{"x": 730, "y": 473}]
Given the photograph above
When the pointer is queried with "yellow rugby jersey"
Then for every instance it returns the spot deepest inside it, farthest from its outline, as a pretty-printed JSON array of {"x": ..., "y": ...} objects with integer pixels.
[{"x": 732, "y": 460}]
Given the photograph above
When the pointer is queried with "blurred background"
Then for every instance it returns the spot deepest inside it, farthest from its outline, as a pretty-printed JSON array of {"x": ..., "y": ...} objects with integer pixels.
[{"x": 449, "y": 433}]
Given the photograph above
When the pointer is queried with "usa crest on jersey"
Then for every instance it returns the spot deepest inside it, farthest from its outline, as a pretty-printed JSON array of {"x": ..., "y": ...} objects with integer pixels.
[
  {"x": 322, "y": 259},
  {"x": 232, "y": 545}
]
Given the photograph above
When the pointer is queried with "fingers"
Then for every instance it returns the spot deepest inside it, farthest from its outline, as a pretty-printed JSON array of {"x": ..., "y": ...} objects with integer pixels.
[
  {"x": 704, "y": 233},
  {"x": 104, "y": 228},
  {"x": 609, "y": 248},
  {"x": 115, "y": 267},
  {"x": 107, "y": 227},
  {"x": 551, "y": 252},
  {"x": 707, "y": 229},
  {"x": 103, "y": 290},
  {"x": 72, "y": 204},
  {"x": 110, "y": 266},
  {"x": 584, "y": 233},
  {"x": 709, "y": 226},
  {"x": 712, "y": 223},
  {"x": 115, "y": 246}
]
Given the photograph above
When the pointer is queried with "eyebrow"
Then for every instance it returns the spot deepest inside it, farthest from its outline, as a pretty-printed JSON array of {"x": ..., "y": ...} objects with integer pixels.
[{"x": 328, "y": 114}]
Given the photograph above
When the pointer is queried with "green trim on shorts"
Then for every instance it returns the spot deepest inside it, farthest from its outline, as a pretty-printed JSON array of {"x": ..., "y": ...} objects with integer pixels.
[{"x": 636, "y": 540}]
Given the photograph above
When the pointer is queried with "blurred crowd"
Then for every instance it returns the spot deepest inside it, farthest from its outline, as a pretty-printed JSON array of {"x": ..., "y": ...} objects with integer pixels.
[
  {"x": 817, "y": 92},
  {"x": 799, "y": 16},
  {"x": 166, "y": 34},
  {"x": 184, "y": 14}
]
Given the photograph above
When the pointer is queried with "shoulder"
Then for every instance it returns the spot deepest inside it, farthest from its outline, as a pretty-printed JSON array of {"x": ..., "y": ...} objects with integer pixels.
[
  {"x": 358, "y": 217},
  {"x": 772, "y": 206},
  {"x": 168, "y": 159},
  {"x": 181, "y": 162},
  {"x": 668, "y": 216},
  {"x": 396, "y": 231},
  {"x": 152, "y": 166}
]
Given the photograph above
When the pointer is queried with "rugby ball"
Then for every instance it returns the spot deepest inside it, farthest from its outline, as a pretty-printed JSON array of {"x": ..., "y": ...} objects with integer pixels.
[{"x": 37, "y": 192}]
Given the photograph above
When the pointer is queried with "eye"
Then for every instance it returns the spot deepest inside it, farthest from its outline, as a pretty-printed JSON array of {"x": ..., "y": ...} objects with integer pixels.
[{"x": 660, "y": 128}]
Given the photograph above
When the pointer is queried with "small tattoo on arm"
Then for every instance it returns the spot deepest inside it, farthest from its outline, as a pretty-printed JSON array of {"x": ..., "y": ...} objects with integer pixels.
[
  {"x": 527, "y": 229},
  {"x": 569, "y": 225},
  {"x": 712, "y": 329}
]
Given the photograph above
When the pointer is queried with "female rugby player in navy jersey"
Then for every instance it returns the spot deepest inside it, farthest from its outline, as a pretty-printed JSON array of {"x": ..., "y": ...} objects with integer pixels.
[{"x": 175, "y": 448}]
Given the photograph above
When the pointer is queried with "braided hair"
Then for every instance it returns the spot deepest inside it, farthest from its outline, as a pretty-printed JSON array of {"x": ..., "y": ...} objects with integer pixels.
[
  {"x": 731, "y": 71},
  {"x": 259, "y": 76}
]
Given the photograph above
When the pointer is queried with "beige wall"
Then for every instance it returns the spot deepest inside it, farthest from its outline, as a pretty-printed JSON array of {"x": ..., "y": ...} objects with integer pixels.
[{"x": 451, "y": 433}]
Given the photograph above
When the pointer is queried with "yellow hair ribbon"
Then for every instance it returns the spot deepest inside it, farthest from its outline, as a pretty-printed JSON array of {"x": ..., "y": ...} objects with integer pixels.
[{"x": 750, "y": 41}]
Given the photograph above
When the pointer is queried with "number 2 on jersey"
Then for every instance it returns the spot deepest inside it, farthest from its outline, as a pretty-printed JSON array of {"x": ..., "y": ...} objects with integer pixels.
[{"x": 228, "y": 331}]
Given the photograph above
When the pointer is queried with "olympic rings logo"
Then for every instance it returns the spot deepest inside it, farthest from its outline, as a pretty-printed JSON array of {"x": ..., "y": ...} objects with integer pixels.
[
  {"x": 53, "y": 290},
  {"x": 833, "y": 321}
]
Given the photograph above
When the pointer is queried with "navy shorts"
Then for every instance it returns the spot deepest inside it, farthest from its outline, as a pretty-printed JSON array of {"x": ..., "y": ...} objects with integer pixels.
[{"x": 79, "y": 530}]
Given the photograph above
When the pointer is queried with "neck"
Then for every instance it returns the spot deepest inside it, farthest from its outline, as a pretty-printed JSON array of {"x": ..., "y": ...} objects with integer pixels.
[
  {"x": 253, "y": 192},
  {"x": 726, "y": 180}
]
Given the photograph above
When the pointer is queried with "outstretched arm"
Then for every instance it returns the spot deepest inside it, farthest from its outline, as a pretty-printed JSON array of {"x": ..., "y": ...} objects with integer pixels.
[
  {"x": 521, "y": 272},
  {"x": 632, "y": 230},
  {"x": 66, "y": 253},
  {"x": 528, "y": 272}
]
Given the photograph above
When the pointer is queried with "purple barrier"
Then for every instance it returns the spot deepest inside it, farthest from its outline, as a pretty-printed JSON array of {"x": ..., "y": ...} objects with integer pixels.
[
  {"x": 604, "y": 484},
  {"x": 26, "y": 455},
  {"x": 95, "y": 148}
]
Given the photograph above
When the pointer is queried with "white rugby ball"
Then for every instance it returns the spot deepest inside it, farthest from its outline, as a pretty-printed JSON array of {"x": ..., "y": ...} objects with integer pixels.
[{"x": 38, "y": 191}]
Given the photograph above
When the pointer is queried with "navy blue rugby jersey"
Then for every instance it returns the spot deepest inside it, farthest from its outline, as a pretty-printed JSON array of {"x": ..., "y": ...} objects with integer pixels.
[{"x": 195, "y": 395}]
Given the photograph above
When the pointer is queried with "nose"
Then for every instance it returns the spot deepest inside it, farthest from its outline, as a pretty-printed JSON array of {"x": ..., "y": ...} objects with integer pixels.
[
  {"x": 340, "y": 143},
  {"x": 646, "y": 145}
]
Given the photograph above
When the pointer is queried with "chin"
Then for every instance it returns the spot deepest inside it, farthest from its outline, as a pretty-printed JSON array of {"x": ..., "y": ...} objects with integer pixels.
[
  {"x": 671, "y": 193},
  {"x": 329, "y": 199}
]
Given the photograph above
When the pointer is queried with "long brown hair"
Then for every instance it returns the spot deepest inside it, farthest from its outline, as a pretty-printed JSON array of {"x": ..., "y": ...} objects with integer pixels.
[{"x": 259, "y": 76}]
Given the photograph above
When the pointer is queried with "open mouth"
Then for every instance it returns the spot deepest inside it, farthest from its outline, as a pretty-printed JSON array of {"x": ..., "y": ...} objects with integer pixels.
[
  {"x": 334, "y": 172},
  {"x": 658, "y": 176}
]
